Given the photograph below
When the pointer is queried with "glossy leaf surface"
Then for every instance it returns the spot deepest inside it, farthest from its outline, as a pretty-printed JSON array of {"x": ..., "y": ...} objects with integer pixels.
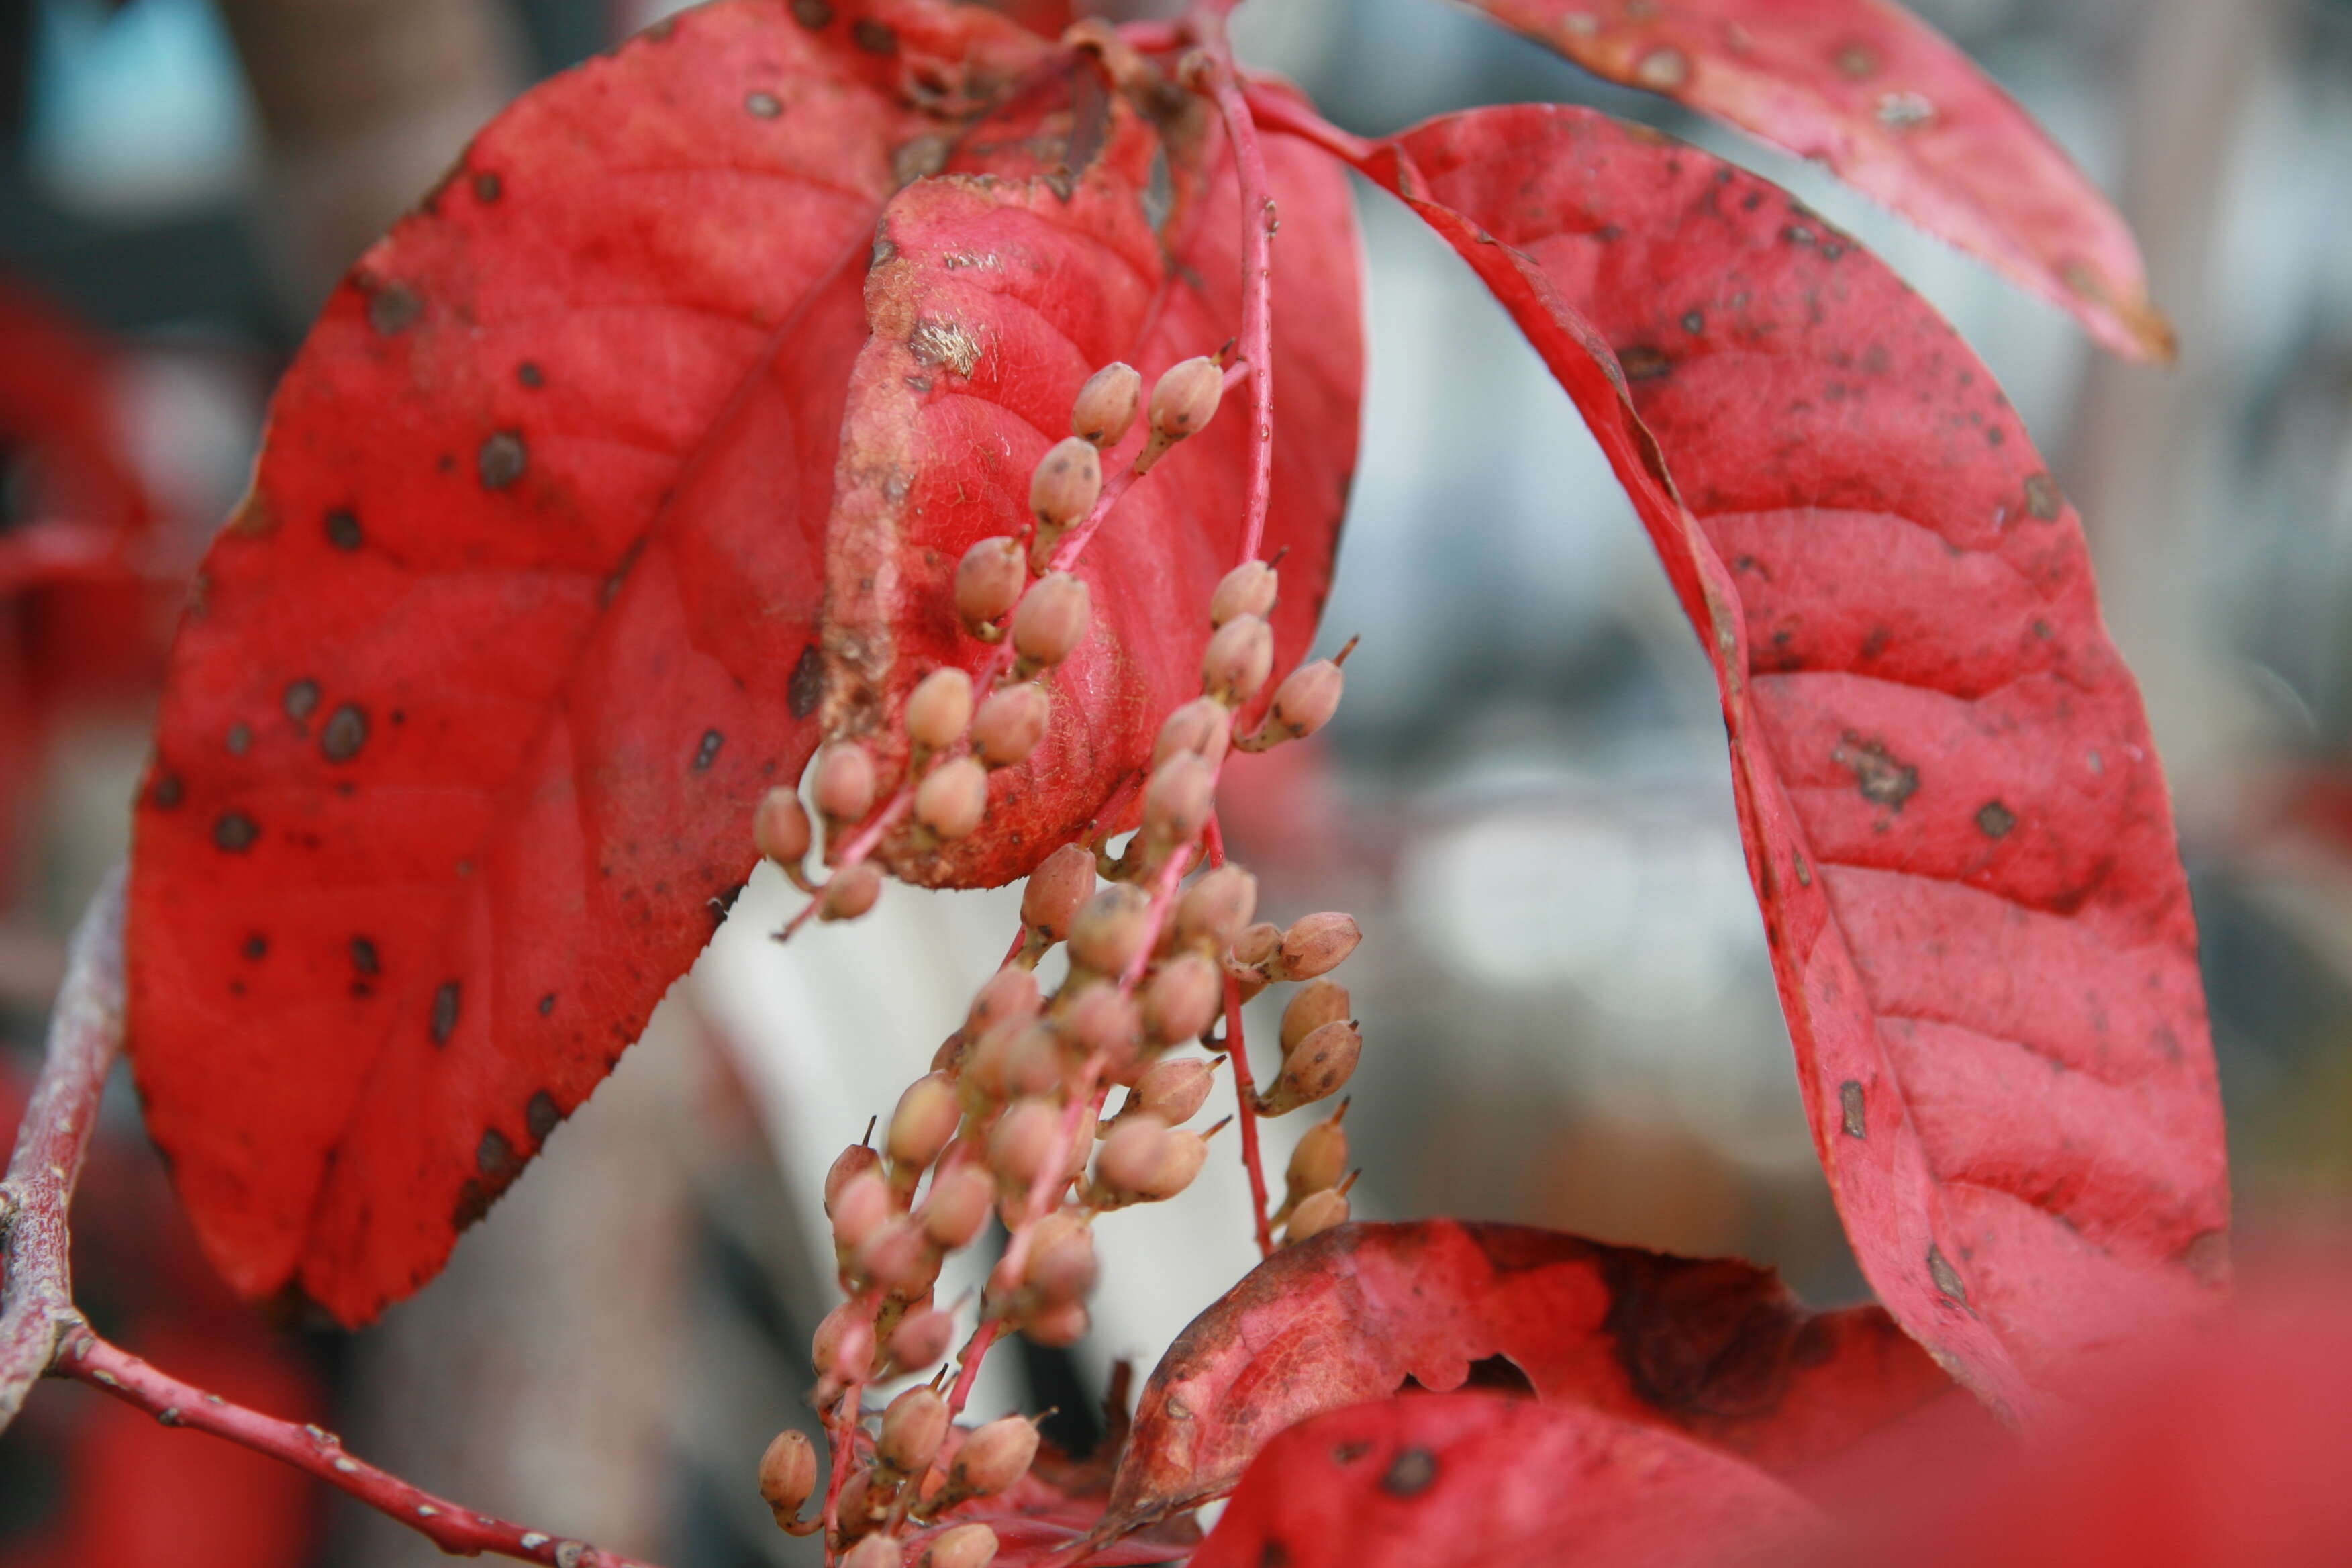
[
  {"x": 1882, "y": 98},
  {"x": 1955, "y": 820}
]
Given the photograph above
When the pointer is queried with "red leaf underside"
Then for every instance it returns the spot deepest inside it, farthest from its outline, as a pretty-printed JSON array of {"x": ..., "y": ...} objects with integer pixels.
[
  {"x": 1713, "y": 1348},
  {"x": 477, "y": 689},
  {"x": 1889, "y": 103},
  {"x": 1955, "y": 820}
]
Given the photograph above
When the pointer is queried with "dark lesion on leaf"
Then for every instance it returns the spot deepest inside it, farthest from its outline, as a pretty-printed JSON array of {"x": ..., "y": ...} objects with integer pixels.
[
  {"x": 1882, "y": 778},
  {"x": 393, "y": 306},
  {"x": 2042, "y": 497},
  {"x": 502, "y": 460},
  {"x": 343, "y": 529},
  {"x": 345, "y": 731},
  {"x": 540, "y": 1116},
  {"x": 706, "y": 751},
  {"x": 301, "y": 699},
  {"x": 444, "y": 1022},
  {"x": 1850, "y": 1109},
  {"x": 494, "y": 1156},
  {"x": 363, "y": 957},
  {"x": 1947, "y": 1278},
  {"x": 234, "y": 832},
  {"x": 1642, "y": 361},
  {"x": 168, "y": 792},
  {"x": 1410, "y": 1474},
  {"x": 874, "y": 37},
  {"x": 813, "y": 13},
  {"x": 805, "y": 690},
  {"x": 1994, "y": 820}
]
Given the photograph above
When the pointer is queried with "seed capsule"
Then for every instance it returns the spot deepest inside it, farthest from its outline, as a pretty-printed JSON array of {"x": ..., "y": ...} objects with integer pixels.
[
  {"x": 852, "y": 1161},
  {"x": 1171, "y": 1090},
  {"x": 780, "y": 828},
  {"x": 1107, "y": 405},
  {"x": 1111, "y": 928},
  {"x": 988, "y": 583},
  {"x": 957, "y": 1207},
  {"x": 1062, "y": 1266},
  {"x": 1010, "y": 724},
  {"x": 1247, "y": 590},
  {"x": 1033, "y": 1062},
  {"x": 1182, "y": 1154},
  {"x": 922, "y": 1338},
  {"x": 1214, "y": 909},
  {"x": 994, "y": 1458},
  {"x": 875, "y": 1552},
  {"x": 1104, "y": 1021},
  {"x": 1051, "y": 619},
  {"x": 843, "y": 1347},
  {"x": 1319, "y": 1160},
  {"x": 1324, "y": 1062},
  {"x": 897, "y": 1258},
  {"x": 1323, "y": 1001},
  {"x": 1132, "y": 1152},
  {"x": 845, "y": 783},
  {"x": 1183, "y": 999},
  {"x": 1066, "y": 483},
  {"x": 1184, "y": 399},
  {"x": 1021, "y": 1144},
  {"x": 1316, "y": 944},
  {"x": 912, "y": 1428},
  {"x": 965, "y": 1546},
  {"x": 1202, "y": 726},
  {"x": 1060, "y": 1324},
  {"x": 850, "y": 892},
  {"x": 938, "y": 708},
  {"x": 1056, "y": 889},
  {"x": 1256, "y": 946},
  {"x": 1303, "y": 704},
  {"x": 926, "y": 1119},
  {"x": 863, "y": 1208},
  {"x": 1316, "y": 1214},
  {"x": 1239, "y": 658},
  {"x": 788, "y": 1475},
  {"x": 1011, "y": 994},
  {"x": 952, "y": 799},
  {"x": 1178, "y": 801}
]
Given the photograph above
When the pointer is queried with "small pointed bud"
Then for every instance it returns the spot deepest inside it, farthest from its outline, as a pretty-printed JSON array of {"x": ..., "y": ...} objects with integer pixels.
[
  {"x": 1323, "y": 1001},
  {"x": 926, "y": 1119},
  {"x": 938, "y": 708},
  {"x": 1051, "y": 619},
  {"x": 1184, "y": 399},
  {"x": 1319, "y": 1160},
  {"x": 1256, "y": 946},
  {"x": 1182, "y": 1154},
  {"x": 1104, "y": 1021},
  {"x": 1132, "y": 1152},
  {"x": 957, "y": 1207},
  {"x": 1214, "y": 909},
  {"x": 1058, "y": 1324},
  {"x": 1066, "y": 483},
  {"x": 1062, "y": 1266},
  {"x": 1316, "y": 944},
  {"x": 780, "y": 828},
  {"x": 1316, "y": 1213},
  {"x": 1247, "y": 590},
  {"x": 1021, "y": 1144},
  {"x": 994, "y": 1459},
  {"x": 843, "y": 1347},
  {"x": 1239, "y": 658},
  {"x": 1107, "y": 405},
  {"x": 844, "y": 782},
  {"x": 853, "y": 1161},
  {"x": 952, "y": 799},
  {"x": 896, "y": 1256},
  {"x": 850, "y": 892},
  {"x": 1182, "y": 1000},
  {"x": 1010, "y": 724},
  {"x": 1178, "y": 800},
  {"x": 1057, "y": 888},
  {"x": 788, "y": 1475},
  {"x": 988, "y": 583},
  {"x": 922, "y": 1338},
  {"x": 875, "y": 1552},
  {"x": 1171, "y": 1090},
  {"x": 862, "y": 1207},
  {"x": 913, "y": 1426},
  {"x": 1111, "y": 928},
  {"x": 1010, "y": 994},
  {"x": 1303, "y": 704},
  {"x": 965, "y": 1546},
  {"x": 1202, "y": 726},
  {"x": 1323, "y": 1062}
]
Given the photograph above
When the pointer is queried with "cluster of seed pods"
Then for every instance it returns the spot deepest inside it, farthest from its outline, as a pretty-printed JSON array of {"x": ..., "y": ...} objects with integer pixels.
[{"x": 1008, "y": 1123}]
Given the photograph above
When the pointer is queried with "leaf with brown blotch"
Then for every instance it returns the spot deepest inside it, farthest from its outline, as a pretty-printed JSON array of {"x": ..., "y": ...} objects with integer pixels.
[
  {"x": 1714, "y": 1349},
  {"x": 1955, "y": 819},
  {"x": 1890, "y": 104}
]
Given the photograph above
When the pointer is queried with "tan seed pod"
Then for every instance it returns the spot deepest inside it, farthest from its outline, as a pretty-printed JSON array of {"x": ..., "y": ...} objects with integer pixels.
[
  {"x": 1255, "y": 947},
  {"x": 957, "y": 1207},
  {"x": 1182, "y": 1000},
  {"x": 994, "y": 1458},
  {"x": 1316, "y": 944},
  {"x": 1214, "y": 909},
  {"x": 1172, "y": 1091},
  {"x": 862, "y": 1207},
  {"x": 865, "y": 1500},
  {"x": 1202, "y": 726},
  {"x": 844, "y": 782},
  {"x": 1010, "y": 724},
  {"x": 853, "y": 1161},
  {"x": 1066, "y": 483},
  {"x": 1033, "y": 1062},
  {"x": 913, "y": 1426},
  {"x": 926, "y": 1119},
  {"x": 1316, "y": 1212},
  {"x": 1318, "y": 1068},
  {"x": 965, "y": 1546},
  {"x": 1319, "y": 1160},
  {"x": 843, "y": 1346},
  {"x": 875, "y": 1552},
  {"x": 1057, "y": 888},
  {"x": 1303, "y": 704},
  {"x": 1247, "y": 590},
  {"x": 1132, "y": 1152},
  {"x": 988, "y": 583},
  {"x": 1062, "y": 1266},
  {"x": 1181, "y": 1155},
  {"x": 1239, "y": 658},
  {"x": 952, "y": 799},
  {"x": 849, "y": 892},
  {"x": 1314, "y": 1005},
  {"x": 922, "y": 1338},
  {"x": 1183, "y": 400},
  {"x": 1010, "y": 996},
  {"x": 788, "y": 1475},
  {"x": 1051, "y": 619},
  {"x": 1107, "y": 405},
  {"x": 895, "y": 1256},
  {"x": 1104, "y": 1021},
  {"x": 1021, "y": 1144},
  {"x": 1178, "y": 801},
  {"x": 1058, "y": 1324},
  {"x": 780, "y": 828},
  {"x": 938, "y": 708},
  {"x": 1111, "y": 928}
]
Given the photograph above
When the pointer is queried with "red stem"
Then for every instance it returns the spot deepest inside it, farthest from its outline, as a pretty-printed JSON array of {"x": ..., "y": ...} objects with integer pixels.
[
  {"x": 1244, "y": 1086},
  {"x": 1258, "y": 224}
]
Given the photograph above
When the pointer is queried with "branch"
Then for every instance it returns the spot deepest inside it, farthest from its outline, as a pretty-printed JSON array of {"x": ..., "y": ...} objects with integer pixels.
[
  {"x": 1258, "y": 223},
  {"x": 1236, "y": 1047},
  {"x": 42, "y": 1333}
]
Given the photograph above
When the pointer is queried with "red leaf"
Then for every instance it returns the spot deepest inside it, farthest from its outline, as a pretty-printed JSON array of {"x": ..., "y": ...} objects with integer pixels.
[
  {"x": 466, "y": 723},
  {"x": 1713, "y": 1348},
  {"x": 1955, "y": 819},
  {"x": 992, "y": 303},
  {"x": 1470, "y": 1480},
  {"x": 1882, "y": 98}
]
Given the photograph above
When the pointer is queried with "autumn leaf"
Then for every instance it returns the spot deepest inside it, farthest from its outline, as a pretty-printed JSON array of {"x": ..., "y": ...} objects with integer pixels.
[
  {"x": 1877, "y": 95},
  {"x": 1956, "y": 823},
  {"x": 1713, "y": 1348}
]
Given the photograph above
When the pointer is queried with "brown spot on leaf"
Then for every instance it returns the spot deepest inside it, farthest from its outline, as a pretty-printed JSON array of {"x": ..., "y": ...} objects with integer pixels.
[
  {"x": 950, "y": 344},
  {"x": 811, "y": 13},
  {"x": 488, "y": 187},
  {"x": 1994, "y": 820},
  {"x": 1947, "y": 1278},
  {"x": 1856, "y": 60},
  {"x": 1349, "y": 1453},
  {"x": 345, "y": 731},
  {"x": 805, "y": 690},
  {"x": 1882, "y": 778},
  {"x": 707, "y": 752},
  {"x": 344, "y": 530},
  {"x": 502, "y": 460},
  {"x": 240, "y": 738},
  {"x": 1410, "y": 1474},
  {"x": 257, "y": 947},
  {"x": 1850, "y": 1109},
  {"x": 363, "y": 956},
  {"x": 494, "y": 1156},
  {"x": 444, "y": 1022},
  {"x": 540, "y": 1118},
  {"x": 1644, "y": 362},
  {"x": 874, "y": 37},
  {"x": 301, "y": 699},
  {"x": 530, "y": 375},
  {"x": 168, "y": 792},
  {"x": 765, "y": 105},
  {"x": 234, "y": 832},
  {"x": 546, "y": 1004},
  {"x": 2042, "y": 497},
  {"x": 393, "y": 308}
]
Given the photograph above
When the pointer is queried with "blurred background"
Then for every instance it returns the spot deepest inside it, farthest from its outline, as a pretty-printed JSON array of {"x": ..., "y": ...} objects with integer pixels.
[{"x": 1570, "y": 1015}]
